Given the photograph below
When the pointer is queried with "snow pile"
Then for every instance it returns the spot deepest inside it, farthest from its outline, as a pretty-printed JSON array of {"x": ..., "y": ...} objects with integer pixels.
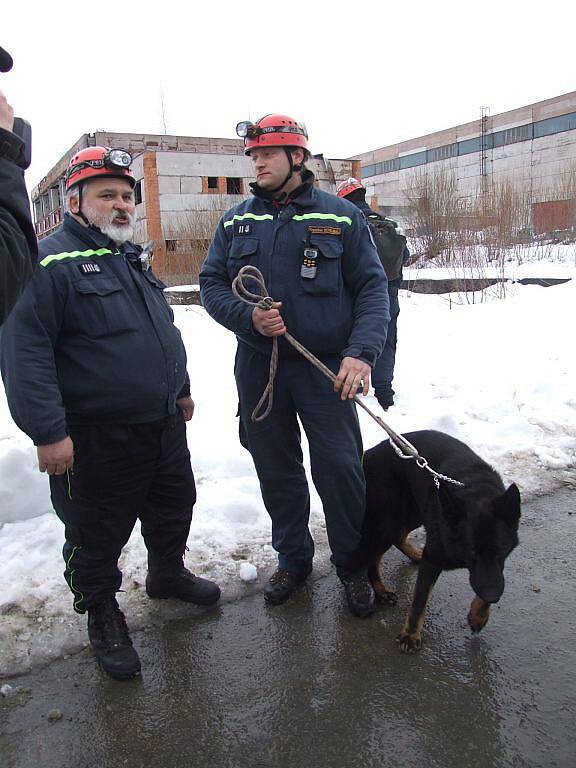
[{"x": 497, "y": 374}]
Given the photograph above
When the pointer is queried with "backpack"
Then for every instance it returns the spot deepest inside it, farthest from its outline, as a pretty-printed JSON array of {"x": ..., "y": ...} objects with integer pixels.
[{"x": 389, "y": 243}]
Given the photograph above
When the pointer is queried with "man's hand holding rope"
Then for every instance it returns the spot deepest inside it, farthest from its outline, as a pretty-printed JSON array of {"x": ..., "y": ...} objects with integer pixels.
[
  {"x": 353, "y": 373},
  {"x": 269, "y": 322}
]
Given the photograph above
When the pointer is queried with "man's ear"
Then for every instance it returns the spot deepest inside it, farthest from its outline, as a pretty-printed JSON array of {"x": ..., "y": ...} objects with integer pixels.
[
  {"x": 73, "y": 202},
  {"x": 297, "y": 156}
]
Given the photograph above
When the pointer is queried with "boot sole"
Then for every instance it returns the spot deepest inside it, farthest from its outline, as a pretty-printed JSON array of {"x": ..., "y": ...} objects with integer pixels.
[{"x": 156, "y": 596}]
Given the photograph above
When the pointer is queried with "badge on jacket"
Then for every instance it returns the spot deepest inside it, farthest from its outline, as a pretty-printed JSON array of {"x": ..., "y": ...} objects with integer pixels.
[
  {"x": 242, "y": 228},
  {"x": 89, "y": 268}
]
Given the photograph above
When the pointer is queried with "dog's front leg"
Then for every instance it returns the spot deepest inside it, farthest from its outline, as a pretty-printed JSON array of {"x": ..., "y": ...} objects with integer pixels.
[
  {"x": 410, "y": 640},
  {"x": 382, "y": 592},
  {"x": 478, "y": 614}
]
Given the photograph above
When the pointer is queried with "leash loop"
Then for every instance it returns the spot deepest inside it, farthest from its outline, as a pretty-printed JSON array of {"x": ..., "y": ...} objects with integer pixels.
[{"x": 404, "y": 449}]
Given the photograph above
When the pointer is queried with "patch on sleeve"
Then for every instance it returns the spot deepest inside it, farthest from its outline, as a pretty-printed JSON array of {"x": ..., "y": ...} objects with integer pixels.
[
  {"x": 89, "y": 268},
  {"x": 316, "y": 229}
]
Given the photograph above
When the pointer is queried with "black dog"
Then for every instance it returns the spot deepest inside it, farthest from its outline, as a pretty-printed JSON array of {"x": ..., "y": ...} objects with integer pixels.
[{"x": 473, "y": 527}]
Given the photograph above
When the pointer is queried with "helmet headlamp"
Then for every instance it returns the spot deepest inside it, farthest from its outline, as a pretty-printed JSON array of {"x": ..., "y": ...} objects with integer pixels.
[
  {"x": 117, "y": 158},
  {"x": 247, "y": 130}
]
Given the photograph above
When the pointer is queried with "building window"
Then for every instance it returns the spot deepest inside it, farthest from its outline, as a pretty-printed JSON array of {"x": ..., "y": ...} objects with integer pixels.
[
  {"x": 441, "y": 153},
  {"x": 469, "y": 146},
  {"x": 555, "y": 125},
  {"x": 512, "y": 135},
  {"x": 212, "y": 182},
  {"x": 410, "y": 161},
  {"x": 388, "y": 166},
  {"x": 171, "y": 245},
  {"x": 138, "y": 192},
  {"x": 233, "y": 186}
]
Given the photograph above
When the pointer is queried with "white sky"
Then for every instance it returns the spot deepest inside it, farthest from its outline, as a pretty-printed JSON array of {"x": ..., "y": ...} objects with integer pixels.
[{"x": 360, "y": 75}]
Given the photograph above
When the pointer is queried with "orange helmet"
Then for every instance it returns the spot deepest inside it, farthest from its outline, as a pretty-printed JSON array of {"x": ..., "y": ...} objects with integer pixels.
[
  {"x": 99, "y": 161},
  {"x": 350, "y": 185},
  {"x": 272, "y": 131}
]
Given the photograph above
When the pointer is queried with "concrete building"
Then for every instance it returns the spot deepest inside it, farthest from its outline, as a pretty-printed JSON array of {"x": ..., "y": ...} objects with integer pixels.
[
  {"x": 533, "y": 147},
  {"x": 183, "y": 184}
]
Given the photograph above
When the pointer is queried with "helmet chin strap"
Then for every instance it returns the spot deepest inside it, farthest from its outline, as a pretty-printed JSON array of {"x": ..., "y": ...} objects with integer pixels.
[
  {"x": 79, "y": 212},
  {"x": 294, "y": 168}
]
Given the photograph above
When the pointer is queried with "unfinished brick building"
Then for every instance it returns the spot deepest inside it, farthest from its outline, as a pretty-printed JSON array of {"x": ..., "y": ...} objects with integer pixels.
[{"x": 183, "y": 185}]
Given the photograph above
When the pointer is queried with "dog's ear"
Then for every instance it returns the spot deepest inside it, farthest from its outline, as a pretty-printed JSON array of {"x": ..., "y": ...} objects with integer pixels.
[{"x": 507, "y": 506}]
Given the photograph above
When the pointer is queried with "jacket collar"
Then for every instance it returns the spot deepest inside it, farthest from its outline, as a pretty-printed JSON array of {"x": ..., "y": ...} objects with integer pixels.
[
  {"x": 303, "y": 196},
  {"x": 95, "y": 237},
  {"x": 365, "y": 208}
]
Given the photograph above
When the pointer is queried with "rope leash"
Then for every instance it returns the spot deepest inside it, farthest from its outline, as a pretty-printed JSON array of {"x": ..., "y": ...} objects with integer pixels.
[{"x": 404, "y": 449}]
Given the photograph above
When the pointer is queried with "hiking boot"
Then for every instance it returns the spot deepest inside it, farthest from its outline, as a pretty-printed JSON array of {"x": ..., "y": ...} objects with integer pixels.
[
  {"x": 183, "y": 585},
  {"x": 111, "y": 642},
  {"x": 359, "y": 594},
  {"x": 282, "y": 585}
]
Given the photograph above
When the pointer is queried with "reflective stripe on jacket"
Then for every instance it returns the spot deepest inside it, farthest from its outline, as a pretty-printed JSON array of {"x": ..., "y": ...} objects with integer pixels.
[
  {"x": 343, "y": 309},
  {"x": 92, "y": 339}
]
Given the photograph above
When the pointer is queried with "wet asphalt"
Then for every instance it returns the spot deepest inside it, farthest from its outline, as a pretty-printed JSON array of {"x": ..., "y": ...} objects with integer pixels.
[{"x": 307, "y": 684}]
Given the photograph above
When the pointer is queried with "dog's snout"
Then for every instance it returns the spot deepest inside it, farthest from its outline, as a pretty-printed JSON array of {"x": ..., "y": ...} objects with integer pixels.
[{"x": 487, "y": 583}]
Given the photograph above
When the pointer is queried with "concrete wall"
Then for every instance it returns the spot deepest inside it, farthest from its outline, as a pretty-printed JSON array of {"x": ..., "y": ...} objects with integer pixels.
[{"x": 539, "y": 164}]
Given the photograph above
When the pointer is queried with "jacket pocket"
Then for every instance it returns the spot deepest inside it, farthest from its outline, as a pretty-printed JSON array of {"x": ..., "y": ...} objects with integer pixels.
[
  {"x": 242, "y": 251},
  {"x": 101, "y": 307},
  {"x": 328, "y": 279}
]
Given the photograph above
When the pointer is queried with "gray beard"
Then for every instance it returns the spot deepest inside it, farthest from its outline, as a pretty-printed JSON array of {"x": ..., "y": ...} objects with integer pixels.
[{"x": 117, "y": 233}]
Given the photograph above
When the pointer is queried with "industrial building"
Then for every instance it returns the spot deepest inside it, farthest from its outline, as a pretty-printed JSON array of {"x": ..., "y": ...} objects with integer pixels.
[
  {"x": 183, "y": 185},
  {"x": 533, "y": 147}
]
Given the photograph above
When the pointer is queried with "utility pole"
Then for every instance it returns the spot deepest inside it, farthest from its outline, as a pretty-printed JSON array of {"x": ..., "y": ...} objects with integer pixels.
[
  {"x": 484, "y": 113},
  {"x": 163, "y": 110}
]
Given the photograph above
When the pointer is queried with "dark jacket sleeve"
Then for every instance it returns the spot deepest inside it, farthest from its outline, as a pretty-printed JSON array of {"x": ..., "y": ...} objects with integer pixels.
[
  {"x": 18, "y": 247},
  {"x": 216, "y": 290},
  {"x": 27, "y": 359},
  {"x": 366, "y": 280},
  {"x": 185, "y": 391}
]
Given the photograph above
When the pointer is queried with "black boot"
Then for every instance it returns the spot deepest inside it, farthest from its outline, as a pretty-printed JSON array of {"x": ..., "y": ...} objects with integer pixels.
[
  {"x": 282, "y": 585},
  {"x": 183, "y": 585},
  {"x": 359, "y": 594},
  {"x": 111, "y": 642}
]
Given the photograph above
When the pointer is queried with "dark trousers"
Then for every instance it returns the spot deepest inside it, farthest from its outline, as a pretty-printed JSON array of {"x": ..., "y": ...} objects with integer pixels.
[
  {"x": 123, "y": 472},
  {"x": 383, "y": 371},
  {"x": 335, "y": 441}
]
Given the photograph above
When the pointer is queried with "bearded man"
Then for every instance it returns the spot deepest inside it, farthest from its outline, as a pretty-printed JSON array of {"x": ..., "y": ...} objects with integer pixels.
[{"x": 95, "y": 374}]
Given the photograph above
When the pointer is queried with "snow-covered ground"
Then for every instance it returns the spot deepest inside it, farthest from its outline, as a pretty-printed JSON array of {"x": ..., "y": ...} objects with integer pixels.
[{"x": 498, "y": 373}]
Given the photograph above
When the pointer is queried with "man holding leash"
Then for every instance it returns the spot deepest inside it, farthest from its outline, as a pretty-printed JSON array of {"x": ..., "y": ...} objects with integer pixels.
[
  {"x": 320, "y": 265},
  {"x": 95, "y": 374}
]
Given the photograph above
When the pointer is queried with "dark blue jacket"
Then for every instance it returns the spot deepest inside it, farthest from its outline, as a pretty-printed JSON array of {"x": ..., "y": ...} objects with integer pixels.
[
  {"x": 343, "y": 310},
  {"x": 18, "y": 248},
  {"x": 92, "y": 339}
]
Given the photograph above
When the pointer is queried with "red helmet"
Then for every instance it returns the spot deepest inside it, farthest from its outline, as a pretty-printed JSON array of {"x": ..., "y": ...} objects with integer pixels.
[
  {"x": 99, "y": 161},
  {"x": 272, "y": 131},
  {"x": 350, "y": 185}
]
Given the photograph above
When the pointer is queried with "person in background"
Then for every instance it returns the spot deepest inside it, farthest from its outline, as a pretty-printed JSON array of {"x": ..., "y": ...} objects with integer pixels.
[
  {"x": 320, "y": 265},
  {"x": 95, "y": 373},
  {"x": 394, "y": 254}
]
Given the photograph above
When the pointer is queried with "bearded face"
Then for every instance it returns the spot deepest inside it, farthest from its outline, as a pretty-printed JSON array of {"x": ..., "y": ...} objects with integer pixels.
[
  {"x": 118, "y": 225},
  {"x": 108, "y": 203}
]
